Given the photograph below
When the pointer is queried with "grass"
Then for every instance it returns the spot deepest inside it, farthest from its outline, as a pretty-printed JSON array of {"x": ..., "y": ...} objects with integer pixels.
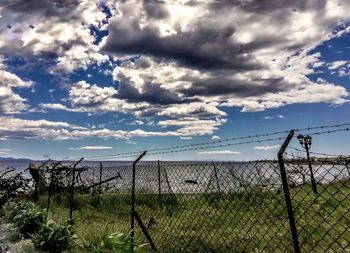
[{"x": 254, "y": 221}]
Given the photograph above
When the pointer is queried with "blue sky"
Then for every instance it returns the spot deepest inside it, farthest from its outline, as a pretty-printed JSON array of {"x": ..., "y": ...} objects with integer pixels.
[{"x": 84, "y": 78}]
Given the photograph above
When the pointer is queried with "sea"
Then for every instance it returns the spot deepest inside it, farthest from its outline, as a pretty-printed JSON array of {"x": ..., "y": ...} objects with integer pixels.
[{"x": 191, "y": 176}]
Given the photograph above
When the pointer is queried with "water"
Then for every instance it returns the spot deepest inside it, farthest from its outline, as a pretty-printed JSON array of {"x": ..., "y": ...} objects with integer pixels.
[{"x": 191, "y": 177}]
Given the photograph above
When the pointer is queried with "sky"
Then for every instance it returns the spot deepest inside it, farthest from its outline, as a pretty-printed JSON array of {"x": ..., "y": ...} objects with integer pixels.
[{"x": 87, "y": 77}]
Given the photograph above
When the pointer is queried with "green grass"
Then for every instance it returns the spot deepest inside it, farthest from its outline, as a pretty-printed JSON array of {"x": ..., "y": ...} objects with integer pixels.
[{"x": 254, "y": 221}]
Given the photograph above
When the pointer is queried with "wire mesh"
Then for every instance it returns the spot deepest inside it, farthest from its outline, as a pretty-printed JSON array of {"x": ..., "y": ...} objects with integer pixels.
[
  {"x": 105, "y": 199},
  {"x": 322, "y": 216},
  {"x": 220, "y": 206},
  {"x": 213, "y": 207}
]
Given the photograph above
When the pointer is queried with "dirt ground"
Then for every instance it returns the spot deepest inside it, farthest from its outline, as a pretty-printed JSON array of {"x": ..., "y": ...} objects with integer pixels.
[{"x": 10, "y": 242}]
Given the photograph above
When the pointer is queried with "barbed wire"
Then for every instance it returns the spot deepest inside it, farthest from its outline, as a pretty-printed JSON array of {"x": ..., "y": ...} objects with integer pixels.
[
  {"x": 312, "y": 152},
  {"x": 218, "y": 146},
  {"x": 202, "y": 148},
  {"x": 330, "y": 131},
  {"x": 183, "y": 148}
]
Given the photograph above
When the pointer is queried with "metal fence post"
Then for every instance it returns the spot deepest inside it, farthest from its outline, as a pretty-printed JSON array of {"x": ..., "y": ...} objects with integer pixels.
[
  {"x": 72, "y": 190},
  {"x": 313, "y": 181},
  {"x": 347, "y": 168},
  {"x": 100, "y": 186},
  {"x": 159, "y": 187},
  {"x": 216, "y": 177},
  {"x": 286, "y": 193},
  {"x": 51, "y": 185},
  {"x": 72, "y": 196},
  {"x": 49, "y": 192},
  {"x": 133, "y": 199}
]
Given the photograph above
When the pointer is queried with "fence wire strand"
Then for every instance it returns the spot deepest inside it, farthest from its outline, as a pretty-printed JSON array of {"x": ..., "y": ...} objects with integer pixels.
[
  {"x": 212, "y": 206},
  {"x": 209, "y": 144}
]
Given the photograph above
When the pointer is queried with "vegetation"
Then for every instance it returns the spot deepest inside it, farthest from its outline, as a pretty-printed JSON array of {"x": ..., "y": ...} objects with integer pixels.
[
  {"x": 53, "y": 237},
  {"x": 114, "y": 242},
  {"x": 255, "y": 220},
  {"x": 31, "y": 220},
  {"x": 28, "y": 217},
  {"x": 252, "y": 220},
  {"x": 47, "y": 235}
]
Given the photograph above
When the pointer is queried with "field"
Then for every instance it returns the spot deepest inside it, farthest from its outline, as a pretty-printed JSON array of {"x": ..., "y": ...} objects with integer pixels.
[{"x": 250, "y": 221}]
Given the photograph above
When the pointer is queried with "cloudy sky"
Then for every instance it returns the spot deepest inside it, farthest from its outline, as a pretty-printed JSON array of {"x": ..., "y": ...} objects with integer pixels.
[{"x": 88, "y": 77}]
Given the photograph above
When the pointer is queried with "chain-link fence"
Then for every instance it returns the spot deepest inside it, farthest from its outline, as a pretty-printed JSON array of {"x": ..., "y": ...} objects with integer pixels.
[
  {"x": 213, "y": 207},
  {"x": 298, "y": 203},
  {"x": 322, "y": 204},
  {"x": 222, "y": 206}
]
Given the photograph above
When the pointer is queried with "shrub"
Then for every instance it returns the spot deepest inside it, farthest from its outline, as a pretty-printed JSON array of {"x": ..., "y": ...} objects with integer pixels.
[
  {"x": 115, "y": 242},
  {"x": 95, "y": 201},
  {"x": 53, "y": 237},
  {"x": 27, "y": 217}
]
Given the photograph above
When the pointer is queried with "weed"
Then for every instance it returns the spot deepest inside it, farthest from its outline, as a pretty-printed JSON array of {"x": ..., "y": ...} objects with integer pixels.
[
  {"x": 53, "y": 237},
  {"x": 114, "y": 242},
  {"x": 27, "y": 217}
]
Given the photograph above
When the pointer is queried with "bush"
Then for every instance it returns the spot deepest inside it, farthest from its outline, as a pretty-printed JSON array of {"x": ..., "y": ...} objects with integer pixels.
[
  {"x": 27, "y": 217},
  {"x": 95, "y": 201},
  {"x": 53, "y": 237},
  {"x": 115, "y": 242}
]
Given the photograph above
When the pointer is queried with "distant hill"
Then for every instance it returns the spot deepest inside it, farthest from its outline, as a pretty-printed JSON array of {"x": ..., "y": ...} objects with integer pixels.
[{"x": 7, "y": 159}]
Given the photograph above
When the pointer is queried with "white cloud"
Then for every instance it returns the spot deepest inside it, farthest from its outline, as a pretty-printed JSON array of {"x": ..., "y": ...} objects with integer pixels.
[
  {"x": 336, "y": 64},
  {"x": 59, "y": 32},
  {"x": 15, "y": 128},
  {"x": 194, "y": 109},
  {"x": 185, "y": 137},
  {"x": 85, "y": 97},
  {"x": 193, "y": 126},
  {"x": 11, "y": 102},
  {"x": 344, "y": 72},
  {"x": 139, "y": 122},
  {"x": 342, "y": 68},
  {"x": 310, "y": 93},
  {"x": 275, "y": 62},
  {"x": 128, "y": 141},
  {"x": 280, "y": 116},
  {"x": 56, "y": 107},
  {"x": 266, "y": 148},
  {"x": 91, "y": 148},
  {"x": 4, "y": 150},
  {"x": 215, "y": 137},
  {"x": 11, "y": 80},
  {"x": 219, "y": 152},
  {"x": 192, "y": 59}
]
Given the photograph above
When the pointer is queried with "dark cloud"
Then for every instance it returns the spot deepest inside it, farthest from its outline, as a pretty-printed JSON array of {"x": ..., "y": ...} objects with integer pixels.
[
  {"x": 17, "y": 135},
  {"x": 155, "y": 9},
  {"x": 206, "y": 46},
  {"x": 39, "y": 8},
  {"x": 239, "y": 88},
  {"x": 152, "y": 93},
  {"x": 203, "y": 48},
  {"x": 148, "y": 112},
  {"x": 268, "y": 6}
]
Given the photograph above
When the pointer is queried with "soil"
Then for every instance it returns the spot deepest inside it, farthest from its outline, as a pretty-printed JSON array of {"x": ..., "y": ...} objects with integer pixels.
[
  {"x": 10, "y": 241},
  {"x": 8, "y": 235}
]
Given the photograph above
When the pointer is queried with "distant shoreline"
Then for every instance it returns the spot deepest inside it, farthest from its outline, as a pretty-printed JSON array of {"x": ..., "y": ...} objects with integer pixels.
[{"x": 12, "y": 159}]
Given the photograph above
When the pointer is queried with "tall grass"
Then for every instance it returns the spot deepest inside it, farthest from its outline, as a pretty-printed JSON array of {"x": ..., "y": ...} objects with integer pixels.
[{"x": 251, "y": 221}]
